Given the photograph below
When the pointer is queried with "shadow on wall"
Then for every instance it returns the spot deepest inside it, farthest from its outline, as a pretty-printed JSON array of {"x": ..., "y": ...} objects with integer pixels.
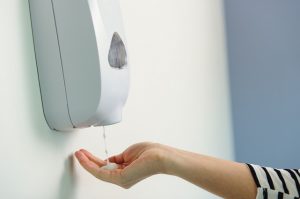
[
  {"x": 40, "y": 129},
  {"x": 67, "y": 184}
]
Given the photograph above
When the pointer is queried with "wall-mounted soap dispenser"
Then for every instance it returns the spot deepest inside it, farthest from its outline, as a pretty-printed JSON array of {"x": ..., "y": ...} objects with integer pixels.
[{"x": 81, "y": 60}]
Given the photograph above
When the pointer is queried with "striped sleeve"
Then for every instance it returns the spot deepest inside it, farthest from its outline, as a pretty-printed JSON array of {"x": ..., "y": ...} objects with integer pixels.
[{"x": 276, "y": 183}]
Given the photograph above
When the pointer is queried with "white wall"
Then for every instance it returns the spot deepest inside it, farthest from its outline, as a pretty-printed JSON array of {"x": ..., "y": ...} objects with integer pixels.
[{"x": 179, "y": 96}]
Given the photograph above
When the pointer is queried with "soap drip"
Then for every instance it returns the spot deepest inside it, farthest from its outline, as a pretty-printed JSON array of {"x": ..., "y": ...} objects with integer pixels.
[
  {"x": 105, "y": 146},
  {"x": 108, "y": 166}
]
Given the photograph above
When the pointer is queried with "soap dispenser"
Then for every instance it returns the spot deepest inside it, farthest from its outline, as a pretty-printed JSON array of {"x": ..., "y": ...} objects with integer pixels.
[{"x": 82, "y": 61}]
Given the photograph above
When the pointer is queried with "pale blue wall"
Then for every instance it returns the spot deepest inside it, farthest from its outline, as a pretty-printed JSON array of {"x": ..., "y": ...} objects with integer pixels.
[{"x": 264, "y": 58}]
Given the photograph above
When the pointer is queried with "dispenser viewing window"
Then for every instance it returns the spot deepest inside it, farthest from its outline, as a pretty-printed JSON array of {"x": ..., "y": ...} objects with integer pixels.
[
  {"x": 82, "y": 61},
  {"x": 117, "y": 56}
]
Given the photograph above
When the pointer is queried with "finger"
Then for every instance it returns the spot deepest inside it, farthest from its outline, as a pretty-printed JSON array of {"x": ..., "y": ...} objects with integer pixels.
[
  {"x": 90, "y": 166},
  {"x": 95, "y": 170},
  {"x": 118, "y": 159},
  {"x": 93, "y": 158}
]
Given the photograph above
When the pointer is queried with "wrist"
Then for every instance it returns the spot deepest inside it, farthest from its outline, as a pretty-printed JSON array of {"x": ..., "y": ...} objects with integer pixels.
[{"x": 169, "y": 159}]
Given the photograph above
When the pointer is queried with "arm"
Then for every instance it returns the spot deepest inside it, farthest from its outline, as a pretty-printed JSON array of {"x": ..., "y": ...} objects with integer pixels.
[
  {"x": 221, "y": 177},
  {"x": 224, "y": 178}
]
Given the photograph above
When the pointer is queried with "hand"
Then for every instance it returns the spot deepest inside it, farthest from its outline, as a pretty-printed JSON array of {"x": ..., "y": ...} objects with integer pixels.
[
  {"x": 224, "y": 178},
  {"x": 135, "y": 164}
]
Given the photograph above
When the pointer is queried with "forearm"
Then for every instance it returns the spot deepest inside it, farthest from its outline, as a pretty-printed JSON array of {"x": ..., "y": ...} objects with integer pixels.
[{"x": 224, "y": 178}]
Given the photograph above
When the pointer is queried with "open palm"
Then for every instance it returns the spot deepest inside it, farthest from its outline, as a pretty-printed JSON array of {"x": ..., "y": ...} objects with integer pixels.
[{"x": 136, "y": 163}]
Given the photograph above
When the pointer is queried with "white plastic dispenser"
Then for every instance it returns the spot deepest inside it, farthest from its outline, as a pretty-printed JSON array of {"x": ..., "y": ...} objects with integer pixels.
[{"x": 81, "y": 60}]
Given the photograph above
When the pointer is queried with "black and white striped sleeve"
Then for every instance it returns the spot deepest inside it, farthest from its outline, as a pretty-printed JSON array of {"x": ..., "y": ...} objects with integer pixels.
[{"x": 276, "y": 183}]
